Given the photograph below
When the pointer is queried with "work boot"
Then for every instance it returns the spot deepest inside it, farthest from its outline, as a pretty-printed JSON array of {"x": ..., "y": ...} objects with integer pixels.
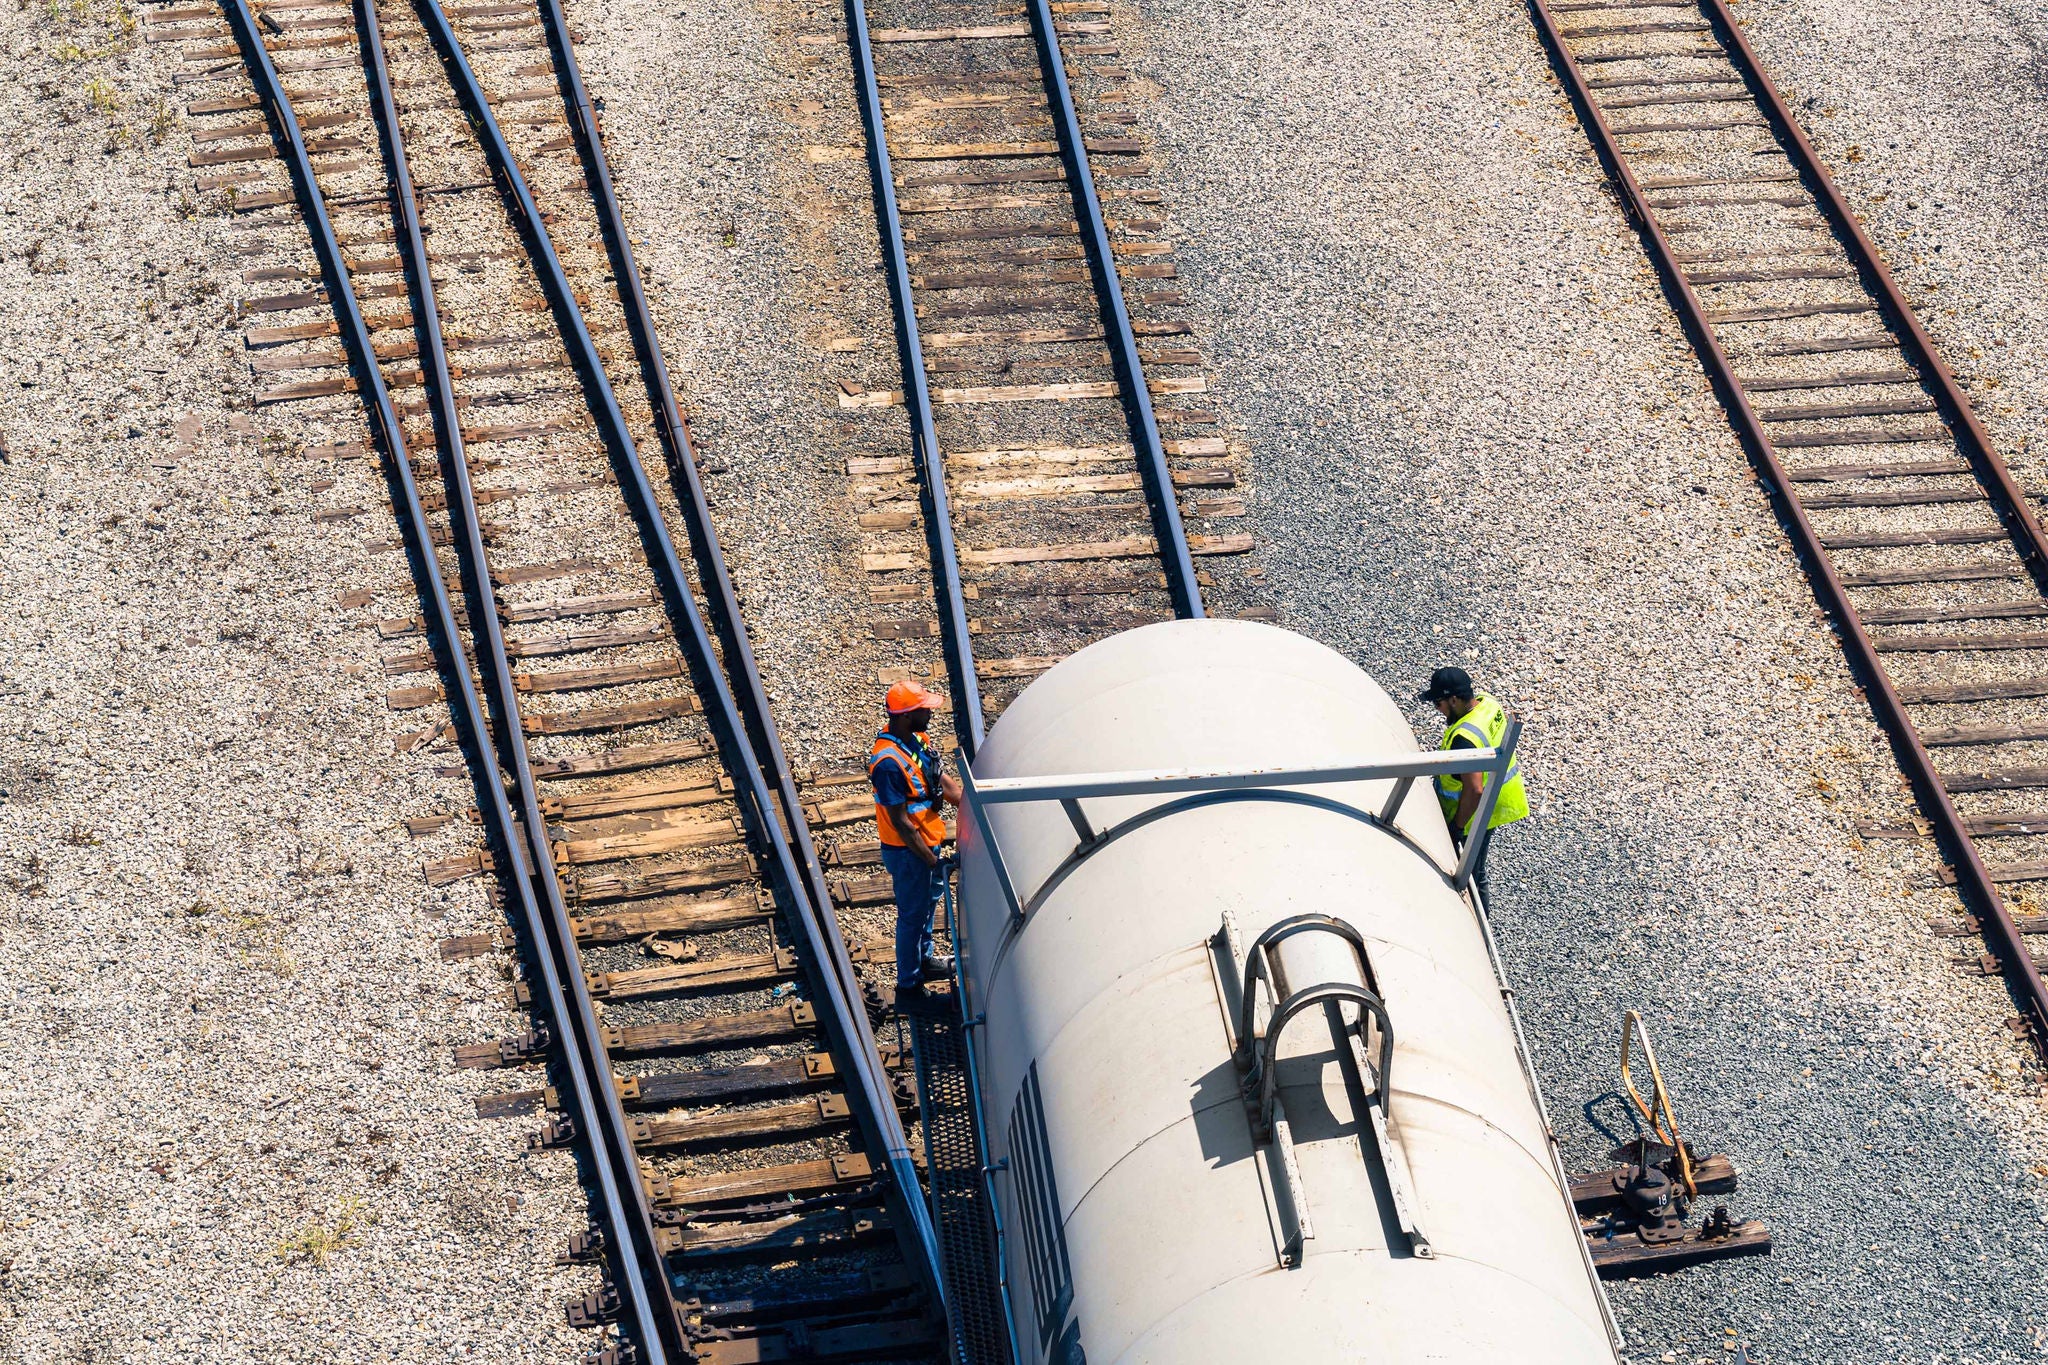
[
  {"x": 935, "y": 968},
  {"x": 917, "y": 1003}
]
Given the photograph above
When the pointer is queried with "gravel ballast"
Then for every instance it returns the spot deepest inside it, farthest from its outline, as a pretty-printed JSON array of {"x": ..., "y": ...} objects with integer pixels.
[
  {"x": 230, "y": 1128},
  {"x": 1479, "y": 437}
]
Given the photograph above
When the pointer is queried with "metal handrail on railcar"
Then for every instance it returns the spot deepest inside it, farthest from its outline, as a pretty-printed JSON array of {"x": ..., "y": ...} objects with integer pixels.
[
  {"x": 1258, "y": 1055},
  {"x": 1199, "y": 789}
]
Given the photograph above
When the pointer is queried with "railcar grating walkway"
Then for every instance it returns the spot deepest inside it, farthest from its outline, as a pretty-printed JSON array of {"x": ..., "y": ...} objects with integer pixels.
[{"x": 960, "y": 1199}]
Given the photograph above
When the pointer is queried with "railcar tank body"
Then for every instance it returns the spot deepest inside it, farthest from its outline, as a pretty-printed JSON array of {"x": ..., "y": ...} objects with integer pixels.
[{"x": 1142, "y": 1220}]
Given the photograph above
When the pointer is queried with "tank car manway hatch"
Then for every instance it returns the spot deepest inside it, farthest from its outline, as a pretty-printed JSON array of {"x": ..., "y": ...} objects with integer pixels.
[{"x": 1238, "y": 1027}]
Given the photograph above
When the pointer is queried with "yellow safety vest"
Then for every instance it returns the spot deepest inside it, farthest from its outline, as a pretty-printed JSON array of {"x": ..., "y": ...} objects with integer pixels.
[{"x": 1485, "y": 725}]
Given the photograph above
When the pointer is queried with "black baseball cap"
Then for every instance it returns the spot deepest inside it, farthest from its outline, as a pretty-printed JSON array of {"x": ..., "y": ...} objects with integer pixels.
[{"x": 1446, "y": 683}]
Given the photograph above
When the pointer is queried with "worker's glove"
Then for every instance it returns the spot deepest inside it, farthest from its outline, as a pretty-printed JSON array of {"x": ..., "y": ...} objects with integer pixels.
[{"x": 948, "y": 863}]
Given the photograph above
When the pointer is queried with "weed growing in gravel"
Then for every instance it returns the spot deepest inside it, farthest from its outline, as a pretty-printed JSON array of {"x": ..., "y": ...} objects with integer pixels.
[
  {"x": 255, "y": 940},
  {"x": 34, "y": 879},
  {"x": 161, "y": 122},
  {"x": 41, "y": 260},
  {"x": 320, "y": 861},
  {"x": 317, "y": 1243},
  {"x": 116, "y": 25},
  {"x": 102, "y": 96}
]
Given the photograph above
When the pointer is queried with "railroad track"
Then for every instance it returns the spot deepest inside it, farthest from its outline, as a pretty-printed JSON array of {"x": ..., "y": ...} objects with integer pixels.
[
  {"x": 1063, "y": 474},
  {"x": 1918, "y": 539},
  {"x": 693, "y": 999},
  {"x": 1064, "y": 469}
]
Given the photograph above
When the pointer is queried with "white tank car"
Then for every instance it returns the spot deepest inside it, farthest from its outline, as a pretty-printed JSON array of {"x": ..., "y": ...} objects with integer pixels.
[{"x": 1143, "y": 1219}]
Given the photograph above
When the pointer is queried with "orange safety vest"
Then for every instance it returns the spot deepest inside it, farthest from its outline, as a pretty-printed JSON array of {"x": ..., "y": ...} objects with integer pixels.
[{"x": 920, "y": 768}]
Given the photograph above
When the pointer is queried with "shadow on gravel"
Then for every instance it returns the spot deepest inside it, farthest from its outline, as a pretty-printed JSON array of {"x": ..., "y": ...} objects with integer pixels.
[{"x": 1618, "y": 1104}]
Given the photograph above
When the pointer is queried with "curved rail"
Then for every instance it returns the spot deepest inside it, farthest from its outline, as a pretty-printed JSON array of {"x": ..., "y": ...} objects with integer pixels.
[
  {"x": 738, "y": 714},
  {"x": 621, "y": 1198},
  {"x": 848, "y": 1025},
  {"x": 842, "y": 1013},
  {"x": 1974, "y": 877}
]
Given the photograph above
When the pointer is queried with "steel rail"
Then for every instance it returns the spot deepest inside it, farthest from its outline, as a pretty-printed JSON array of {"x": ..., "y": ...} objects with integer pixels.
[
  {"x": 882, "y": 1127},
  {"x": 1973, "y": 878},
  {"x": 871, "y": 1090},
  {"x": 1130, "y": 369},
  {"x": 465, "y": 702},
  {"x": 956, "y": 641},
  {"x": 639, "y": 1269}
]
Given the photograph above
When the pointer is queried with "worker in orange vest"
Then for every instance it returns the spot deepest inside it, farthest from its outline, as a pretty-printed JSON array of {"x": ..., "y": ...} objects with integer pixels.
[{"x": 911, "y": 786}]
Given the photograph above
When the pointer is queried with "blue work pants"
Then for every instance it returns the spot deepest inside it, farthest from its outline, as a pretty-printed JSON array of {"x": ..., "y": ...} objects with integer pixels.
[{"x": 917, "y": 889}]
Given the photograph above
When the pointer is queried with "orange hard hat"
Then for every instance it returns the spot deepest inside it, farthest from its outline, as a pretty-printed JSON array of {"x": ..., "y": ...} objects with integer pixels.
[{"x": 909, "y": 696}]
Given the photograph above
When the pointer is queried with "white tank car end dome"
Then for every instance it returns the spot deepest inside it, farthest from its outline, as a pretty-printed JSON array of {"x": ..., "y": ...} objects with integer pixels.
[{"x": 1401, "y": 1205}]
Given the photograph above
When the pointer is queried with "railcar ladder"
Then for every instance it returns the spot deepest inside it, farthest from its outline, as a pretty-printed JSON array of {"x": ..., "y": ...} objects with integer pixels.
[{"x": 1317, "y": 962}]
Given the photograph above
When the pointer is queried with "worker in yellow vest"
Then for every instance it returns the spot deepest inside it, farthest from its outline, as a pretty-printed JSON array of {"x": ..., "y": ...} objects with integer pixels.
[
  {"x": 911, "y": 786},
  {"x": 1473, "y": 720}
]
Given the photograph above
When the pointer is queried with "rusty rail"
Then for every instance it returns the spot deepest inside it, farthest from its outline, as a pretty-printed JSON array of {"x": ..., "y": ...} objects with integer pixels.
[{"x": 1973, "y": 877}]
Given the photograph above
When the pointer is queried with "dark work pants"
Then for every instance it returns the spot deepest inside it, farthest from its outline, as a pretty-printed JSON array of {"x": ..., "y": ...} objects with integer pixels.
[
  {"x": 1479, "y": 870},
  {"x": 916, "y": 888}
]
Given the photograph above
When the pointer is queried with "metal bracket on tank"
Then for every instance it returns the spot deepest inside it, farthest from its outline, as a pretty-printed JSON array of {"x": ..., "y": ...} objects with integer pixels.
[{"x": 1289, "y": 1201}]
